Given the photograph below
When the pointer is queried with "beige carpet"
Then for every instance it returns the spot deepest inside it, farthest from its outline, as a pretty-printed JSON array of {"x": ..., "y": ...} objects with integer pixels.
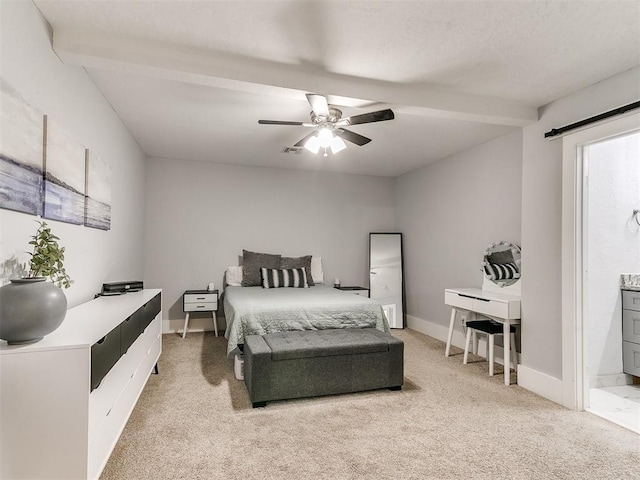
[{"x": 195, "y": 421}]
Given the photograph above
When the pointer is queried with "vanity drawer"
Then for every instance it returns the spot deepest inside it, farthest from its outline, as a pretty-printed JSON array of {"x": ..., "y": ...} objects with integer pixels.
[
  {"x": 631, "y": 300},
  {"x": 631, "y": 358},
  {"x": 631, "y": 326},
  {"x": 201, "y": 306},
  {"x": 458, "y": 300},
  {"x": 491, "y": 308}
]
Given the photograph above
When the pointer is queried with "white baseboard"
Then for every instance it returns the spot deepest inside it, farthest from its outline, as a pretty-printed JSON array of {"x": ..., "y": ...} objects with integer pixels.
[
  {"x": 195, "y": 325},
  {"x": 533, "y": 380},
  {"x": 540, "y": 383}
]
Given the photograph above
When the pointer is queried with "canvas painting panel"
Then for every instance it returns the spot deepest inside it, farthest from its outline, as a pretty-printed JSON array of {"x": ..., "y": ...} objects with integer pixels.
[
  {"x": 98, "y": 192},
  {"x": 64, "y": 176},
  {"x": 21, "y": 157}
]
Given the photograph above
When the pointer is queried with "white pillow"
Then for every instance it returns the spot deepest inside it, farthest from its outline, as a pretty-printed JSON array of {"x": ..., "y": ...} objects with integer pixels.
[
  {"x": 316, "y": 270},
  {"x": 234, "y": 276}
]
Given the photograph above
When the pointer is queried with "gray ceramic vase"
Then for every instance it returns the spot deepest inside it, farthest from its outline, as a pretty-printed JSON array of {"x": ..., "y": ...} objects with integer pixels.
[{"x": 30, "y": 308}]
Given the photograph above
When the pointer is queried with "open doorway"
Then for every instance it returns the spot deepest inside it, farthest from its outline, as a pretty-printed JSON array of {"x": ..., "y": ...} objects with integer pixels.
[
  {"x": 611, "y": 247},
  {"x": 600, "y": 241}
]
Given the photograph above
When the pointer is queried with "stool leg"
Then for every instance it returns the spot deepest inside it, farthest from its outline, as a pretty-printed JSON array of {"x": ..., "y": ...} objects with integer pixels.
[
  {"x": 491, "y": 344},
  {"x": 475, "y": 343},
  {"x": 466, "y": 346},
  {"x": 514, "y": 353}
]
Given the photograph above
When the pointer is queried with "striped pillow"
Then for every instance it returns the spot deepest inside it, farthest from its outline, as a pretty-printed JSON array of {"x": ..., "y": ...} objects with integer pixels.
[
  {"x": 505, "y": 271},
  {"x": 288, "y": 277}
]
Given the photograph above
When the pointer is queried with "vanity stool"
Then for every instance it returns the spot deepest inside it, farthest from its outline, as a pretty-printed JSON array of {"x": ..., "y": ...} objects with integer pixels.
[{"x": 492, "y": 329}]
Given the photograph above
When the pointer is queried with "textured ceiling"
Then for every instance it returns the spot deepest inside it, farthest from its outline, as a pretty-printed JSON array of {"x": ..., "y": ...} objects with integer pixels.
[{"x": 454, "y": 72}]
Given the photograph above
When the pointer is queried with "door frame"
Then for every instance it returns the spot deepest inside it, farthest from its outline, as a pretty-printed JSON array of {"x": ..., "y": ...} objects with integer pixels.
[{"x": 574, "y": 247}]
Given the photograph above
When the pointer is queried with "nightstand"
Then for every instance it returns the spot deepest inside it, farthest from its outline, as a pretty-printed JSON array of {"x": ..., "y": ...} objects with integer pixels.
[
  {"x": 199, "y": 301},
  {"x": 363, "y": 292}
]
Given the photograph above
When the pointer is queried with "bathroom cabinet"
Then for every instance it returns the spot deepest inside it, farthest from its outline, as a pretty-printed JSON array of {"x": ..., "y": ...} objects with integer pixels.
[{"x": 631, "y": 332}]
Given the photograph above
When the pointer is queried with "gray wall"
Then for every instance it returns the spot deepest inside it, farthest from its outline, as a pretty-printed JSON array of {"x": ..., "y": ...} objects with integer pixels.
[
  {"x": 72, "y": 100},
  {"x": 449, "y": 212},
  {"x": 201, "y": 215},
  {"x": 542, "y": 216}
]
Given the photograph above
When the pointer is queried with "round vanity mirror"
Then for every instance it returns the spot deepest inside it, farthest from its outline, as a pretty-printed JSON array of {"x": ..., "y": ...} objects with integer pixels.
[{"x": 501, "y": 263}]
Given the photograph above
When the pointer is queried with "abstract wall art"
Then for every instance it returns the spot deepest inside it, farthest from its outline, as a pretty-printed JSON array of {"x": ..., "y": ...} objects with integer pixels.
[
  {"x": 97, "y": 192},
  {"x": 21, "y": 153},
  {"x": 64, "y": 176},
  {"x": 44, "y": 171}
]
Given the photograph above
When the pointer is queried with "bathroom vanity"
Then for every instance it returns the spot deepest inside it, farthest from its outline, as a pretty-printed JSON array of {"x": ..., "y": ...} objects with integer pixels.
[{"x": 630, "y": 286}]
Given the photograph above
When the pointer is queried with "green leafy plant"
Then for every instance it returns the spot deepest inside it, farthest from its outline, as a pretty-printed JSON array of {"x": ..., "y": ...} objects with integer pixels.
[{"x": 47, "y": 257}]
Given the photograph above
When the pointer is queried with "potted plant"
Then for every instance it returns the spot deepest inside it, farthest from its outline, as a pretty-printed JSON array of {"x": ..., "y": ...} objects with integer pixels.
[{"x": 32, "y": 307}]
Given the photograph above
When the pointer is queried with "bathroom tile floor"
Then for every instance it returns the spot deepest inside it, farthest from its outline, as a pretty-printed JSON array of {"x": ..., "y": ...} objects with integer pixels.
[{"x": 620, "y": 405}]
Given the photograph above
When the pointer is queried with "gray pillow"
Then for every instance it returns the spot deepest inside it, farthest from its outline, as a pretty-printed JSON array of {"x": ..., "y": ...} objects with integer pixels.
[
  {"x": 501, "y": 258},
  {"x": 252, "y": 262},
  {"x": 298, "y": 262}
]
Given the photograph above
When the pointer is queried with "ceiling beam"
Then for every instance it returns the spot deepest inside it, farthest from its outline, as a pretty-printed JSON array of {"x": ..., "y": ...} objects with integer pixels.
[{"x": 173, "y": 62}]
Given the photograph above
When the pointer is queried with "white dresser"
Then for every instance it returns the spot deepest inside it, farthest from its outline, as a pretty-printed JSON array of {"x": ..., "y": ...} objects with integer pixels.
[{"x": 65, "y": 400}]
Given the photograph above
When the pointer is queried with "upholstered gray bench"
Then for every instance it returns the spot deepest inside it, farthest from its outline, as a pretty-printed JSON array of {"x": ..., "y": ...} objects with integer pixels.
[{"x": 310, "y": 363}]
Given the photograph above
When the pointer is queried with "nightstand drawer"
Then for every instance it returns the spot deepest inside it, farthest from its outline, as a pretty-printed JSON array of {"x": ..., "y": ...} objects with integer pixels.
[
  {"x": 200, "y": 298},
  {"x": 362, "y": 293},
  {"x": 201, "y": 306}
]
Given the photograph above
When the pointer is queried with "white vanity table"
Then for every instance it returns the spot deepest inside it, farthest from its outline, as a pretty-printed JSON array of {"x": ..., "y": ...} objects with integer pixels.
[{"x": 497, "y": 299}]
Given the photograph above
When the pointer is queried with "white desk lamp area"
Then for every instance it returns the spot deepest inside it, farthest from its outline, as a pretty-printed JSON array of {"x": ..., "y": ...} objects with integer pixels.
[{"x": 499, "y": 298}]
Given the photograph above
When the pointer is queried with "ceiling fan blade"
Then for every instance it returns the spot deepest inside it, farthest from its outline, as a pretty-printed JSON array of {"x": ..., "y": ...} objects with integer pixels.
[
  {"x": 279, "y": 122},
  {"x": 379, "y": 116},
  {"x": 319, "y": 104},
  {"x": 352, "y": 137},
  {"x": 304, "y": 140}
]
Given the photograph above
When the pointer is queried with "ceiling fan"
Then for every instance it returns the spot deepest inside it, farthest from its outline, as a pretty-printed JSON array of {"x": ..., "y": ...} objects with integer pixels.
[{"x": 328, "y": 123}]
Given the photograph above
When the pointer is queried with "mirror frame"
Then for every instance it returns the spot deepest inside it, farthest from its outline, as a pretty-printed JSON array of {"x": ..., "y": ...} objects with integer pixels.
[
  {"x": 515, "y": 249},
  {"x": 404, "y": 300}
]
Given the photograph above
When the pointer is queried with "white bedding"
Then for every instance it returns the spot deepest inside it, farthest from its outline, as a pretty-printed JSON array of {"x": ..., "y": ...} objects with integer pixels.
[{"x": 258, "y": 311}]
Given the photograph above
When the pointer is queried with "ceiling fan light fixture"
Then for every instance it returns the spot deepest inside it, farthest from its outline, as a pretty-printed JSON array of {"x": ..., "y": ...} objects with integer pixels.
[
  {"x": 337, "y": 145},
  {"x": 325, "y": 137},
  {"x": 313, "y": 144}
]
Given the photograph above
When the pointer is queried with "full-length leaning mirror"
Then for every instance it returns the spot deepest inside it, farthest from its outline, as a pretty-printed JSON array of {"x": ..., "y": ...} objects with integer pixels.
[{"x": 386, "y": 275}]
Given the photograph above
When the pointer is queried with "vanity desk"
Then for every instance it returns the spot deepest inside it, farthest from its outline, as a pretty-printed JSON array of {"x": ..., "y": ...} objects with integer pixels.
[
  {"x": 498, "y": 299},
  {"x": 497, "y": 306}
]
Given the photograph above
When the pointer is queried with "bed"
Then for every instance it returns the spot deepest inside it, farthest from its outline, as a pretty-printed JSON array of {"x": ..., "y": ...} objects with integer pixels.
[{"x": 259, "y": 311}]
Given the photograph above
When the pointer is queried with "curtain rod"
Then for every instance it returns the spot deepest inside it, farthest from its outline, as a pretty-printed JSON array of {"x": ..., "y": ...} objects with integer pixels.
[{"x": 616, "y": 111}]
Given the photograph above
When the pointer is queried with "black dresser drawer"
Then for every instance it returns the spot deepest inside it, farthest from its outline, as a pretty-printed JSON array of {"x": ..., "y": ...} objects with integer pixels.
[
  {"x": 130, "y": 330},
  {"x": 150, "y": 310},
  {"x": 104, "y": 355}
]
